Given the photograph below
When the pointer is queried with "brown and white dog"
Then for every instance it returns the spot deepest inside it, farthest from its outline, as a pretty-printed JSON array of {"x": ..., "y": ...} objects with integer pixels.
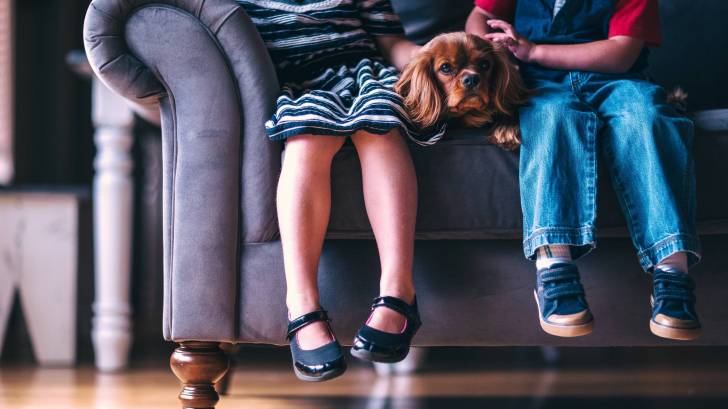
[{"x": 462, "y": 77}]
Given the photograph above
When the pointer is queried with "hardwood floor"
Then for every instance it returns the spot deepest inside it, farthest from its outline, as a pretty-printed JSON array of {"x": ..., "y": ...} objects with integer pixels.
[{"x": 273, "y": 386}]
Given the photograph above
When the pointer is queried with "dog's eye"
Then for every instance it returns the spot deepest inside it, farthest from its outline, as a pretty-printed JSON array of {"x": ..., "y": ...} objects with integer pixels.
[
  {"x": 484, "y": 65},
  {"x": 446, "y": 68}
]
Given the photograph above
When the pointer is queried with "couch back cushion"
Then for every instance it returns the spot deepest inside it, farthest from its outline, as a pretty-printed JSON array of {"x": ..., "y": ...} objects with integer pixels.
[
  {"x": 693, "y": 52},
  {"x": 424, "y": 19}
]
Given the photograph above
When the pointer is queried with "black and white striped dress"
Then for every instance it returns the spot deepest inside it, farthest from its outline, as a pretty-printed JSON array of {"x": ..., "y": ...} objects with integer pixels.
[{"x": 335, "y": 81}]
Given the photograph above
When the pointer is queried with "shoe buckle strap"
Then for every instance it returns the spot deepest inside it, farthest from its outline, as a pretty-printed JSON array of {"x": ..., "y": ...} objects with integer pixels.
[
  {"x": 399, "y": 305},
  {"x": 672, "y": 276},
  {"x": 560, "y": 273},
  {"x": 675, "y": 281},
  {"x": 296, "y": 324},
  {"x": 677, "y": 294},
  {"x": 564, "y": 290}
]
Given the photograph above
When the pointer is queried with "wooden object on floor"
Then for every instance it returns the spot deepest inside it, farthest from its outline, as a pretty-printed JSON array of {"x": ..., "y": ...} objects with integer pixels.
[
  {"x": 39, "y": 248},
  {"x": 199, "y": 365},
  {"x": 113, "y": 191}
]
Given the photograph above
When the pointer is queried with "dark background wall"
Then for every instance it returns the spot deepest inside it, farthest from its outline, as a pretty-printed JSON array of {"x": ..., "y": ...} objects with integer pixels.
[{"x": 53, "y": 132}]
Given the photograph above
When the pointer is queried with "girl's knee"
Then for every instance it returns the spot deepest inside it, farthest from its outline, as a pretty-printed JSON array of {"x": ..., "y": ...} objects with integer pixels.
[
  {"x": 313, "y": 145},
  {"x": 311, "y": 153},
  {"x": 392, "y": 138}
]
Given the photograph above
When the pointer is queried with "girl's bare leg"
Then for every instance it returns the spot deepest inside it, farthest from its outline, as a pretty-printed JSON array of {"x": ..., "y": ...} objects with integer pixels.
[
  {"x": 304, "y": 204},
  {"x": 390, "y": 195}
]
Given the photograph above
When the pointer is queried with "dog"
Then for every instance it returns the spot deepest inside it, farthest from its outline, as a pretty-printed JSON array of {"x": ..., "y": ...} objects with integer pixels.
[{"x": 463, "y": 78}]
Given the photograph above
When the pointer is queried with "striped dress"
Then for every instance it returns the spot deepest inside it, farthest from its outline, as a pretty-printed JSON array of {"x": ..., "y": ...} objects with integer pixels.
[{"x": 334, "y": 80}]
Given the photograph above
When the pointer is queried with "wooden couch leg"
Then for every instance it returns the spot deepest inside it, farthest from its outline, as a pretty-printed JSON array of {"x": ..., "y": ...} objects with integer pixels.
[
  {"x": 199, "y": 365},
  {"x": 231, "y": 350}
]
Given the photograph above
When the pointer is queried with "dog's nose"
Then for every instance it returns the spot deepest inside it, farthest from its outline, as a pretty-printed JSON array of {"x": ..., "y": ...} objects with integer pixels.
[{"x": 471, "y": 81}]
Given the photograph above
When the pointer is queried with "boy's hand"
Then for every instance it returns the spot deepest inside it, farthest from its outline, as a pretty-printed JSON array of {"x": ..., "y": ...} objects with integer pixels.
[
  {"x": 520, "y": 46},
  {"x": 616, "y": 54}
]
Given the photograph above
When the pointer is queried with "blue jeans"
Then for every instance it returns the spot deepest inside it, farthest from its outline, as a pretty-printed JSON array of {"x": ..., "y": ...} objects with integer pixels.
[{"x": 576, "y": 119}]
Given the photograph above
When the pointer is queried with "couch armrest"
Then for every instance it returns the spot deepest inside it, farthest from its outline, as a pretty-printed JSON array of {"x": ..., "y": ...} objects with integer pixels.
[{"x": 203, "y": 64}]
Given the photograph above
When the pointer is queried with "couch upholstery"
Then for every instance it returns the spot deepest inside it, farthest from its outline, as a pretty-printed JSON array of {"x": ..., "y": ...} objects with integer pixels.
[{"x": 203, "y": 64}]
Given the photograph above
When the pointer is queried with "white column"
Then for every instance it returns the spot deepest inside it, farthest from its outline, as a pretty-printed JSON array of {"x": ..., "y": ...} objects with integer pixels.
[{"x": 112, "y": 197}]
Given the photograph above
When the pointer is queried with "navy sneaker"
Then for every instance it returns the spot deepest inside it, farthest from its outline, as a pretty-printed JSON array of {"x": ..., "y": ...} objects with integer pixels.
[
  {"x": 563, "y": 310},
  {"x": 673, "y": 306}
]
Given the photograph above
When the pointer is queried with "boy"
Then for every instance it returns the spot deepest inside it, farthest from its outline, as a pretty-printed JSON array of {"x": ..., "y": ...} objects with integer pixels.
[{"x": 584, "y": 59}]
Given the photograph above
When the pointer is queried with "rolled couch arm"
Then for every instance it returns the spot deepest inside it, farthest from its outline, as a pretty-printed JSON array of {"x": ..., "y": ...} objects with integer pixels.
[{"x": 203, "y": 64}]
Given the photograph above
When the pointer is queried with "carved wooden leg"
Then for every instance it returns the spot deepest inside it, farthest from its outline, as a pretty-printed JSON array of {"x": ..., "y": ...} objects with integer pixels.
[
  {"x": 231, "y": 350},
  {"x": 199, "y": 365}
]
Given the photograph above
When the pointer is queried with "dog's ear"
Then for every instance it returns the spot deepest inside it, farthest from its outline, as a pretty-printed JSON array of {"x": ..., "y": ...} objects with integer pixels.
[
  {"x": 420, "y": 90},
  {"x": 508, "y": 91}
]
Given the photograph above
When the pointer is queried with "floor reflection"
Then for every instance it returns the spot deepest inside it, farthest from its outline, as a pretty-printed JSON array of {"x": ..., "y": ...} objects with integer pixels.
[
  {"x": 528, "y": 378},
  {"x": 498, "y": 403},
  {"x": 458, "y": 379}
]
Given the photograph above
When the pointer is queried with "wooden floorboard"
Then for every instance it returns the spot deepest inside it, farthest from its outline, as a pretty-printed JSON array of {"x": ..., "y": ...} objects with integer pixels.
[{"x": 274, "y": 387}]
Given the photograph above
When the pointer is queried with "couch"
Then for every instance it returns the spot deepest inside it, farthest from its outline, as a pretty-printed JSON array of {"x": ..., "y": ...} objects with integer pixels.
[{"x": 203, "y": 66}]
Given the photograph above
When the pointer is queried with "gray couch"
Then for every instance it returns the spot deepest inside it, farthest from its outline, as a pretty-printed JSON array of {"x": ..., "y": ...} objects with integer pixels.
[{"x": 204, "y": 66}]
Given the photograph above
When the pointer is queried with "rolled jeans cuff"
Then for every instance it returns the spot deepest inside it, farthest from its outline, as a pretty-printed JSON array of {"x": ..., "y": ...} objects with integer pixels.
[
  {"x": 671, "y": 244},
  {"x": 581, "y": 240}
]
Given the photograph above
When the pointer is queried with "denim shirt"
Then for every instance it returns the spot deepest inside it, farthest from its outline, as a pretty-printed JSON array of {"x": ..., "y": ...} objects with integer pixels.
[{"x": 578, "y": 21}]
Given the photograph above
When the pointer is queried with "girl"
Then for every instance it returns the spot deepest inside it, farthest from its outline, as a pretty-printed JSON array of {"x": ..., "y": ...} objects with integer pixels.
[
  {"x": 585, "y": 59},
  {"x": 331, "y": 56}
]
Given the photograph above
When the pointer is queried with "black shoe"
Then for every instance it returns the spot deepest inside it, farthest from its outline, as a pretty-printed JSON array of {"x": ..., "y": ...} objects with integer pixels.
[
  {"x": 315, "y": 365},
  {"x": 373, "y": 345},
  {"x": 673, "y": 306}
]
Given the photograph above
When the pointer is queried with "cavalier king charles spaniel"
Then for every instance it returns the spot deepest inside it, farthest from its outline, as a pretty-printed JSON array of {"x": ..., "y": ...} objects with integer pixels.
[{"x": 462, "y": 77}]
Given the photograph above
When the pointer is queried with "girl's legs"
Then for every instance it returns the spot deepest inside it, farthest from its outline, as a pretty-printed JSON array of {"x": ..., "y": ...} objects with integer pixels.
[
  {"x": 390, "y": 195},
  {"x": 304, "y": 203}
]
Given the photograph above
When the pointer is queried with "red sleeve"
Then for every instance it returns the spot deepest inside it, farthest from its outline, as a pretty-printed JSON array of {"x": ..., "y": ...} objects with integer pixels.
[
  {"x": 638, "y": 19},
  {"x": 503, "y": 9}
]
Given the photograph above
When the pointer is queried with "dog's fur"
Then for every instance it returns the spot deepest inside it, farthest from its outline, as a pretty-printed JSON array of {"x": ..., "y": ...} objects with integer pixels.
[
  {"x": 434, "y": 86},
  {"x": 678, "y": 98}
]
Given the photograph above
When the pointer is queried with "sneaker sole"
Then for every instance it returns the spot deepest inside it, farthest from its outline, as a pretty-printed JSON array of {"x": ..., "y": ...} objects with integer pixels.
[
  {"x": 679, "y": 334},
  {"x": 564, "y": 331},
  {"x": 326, "y": 376}
]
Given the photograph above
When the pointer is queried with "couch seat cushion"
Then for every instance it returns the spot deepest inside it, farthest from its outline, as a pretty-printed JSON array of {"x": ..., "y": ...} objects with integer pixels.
[{"x": 468, "y": 189}]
